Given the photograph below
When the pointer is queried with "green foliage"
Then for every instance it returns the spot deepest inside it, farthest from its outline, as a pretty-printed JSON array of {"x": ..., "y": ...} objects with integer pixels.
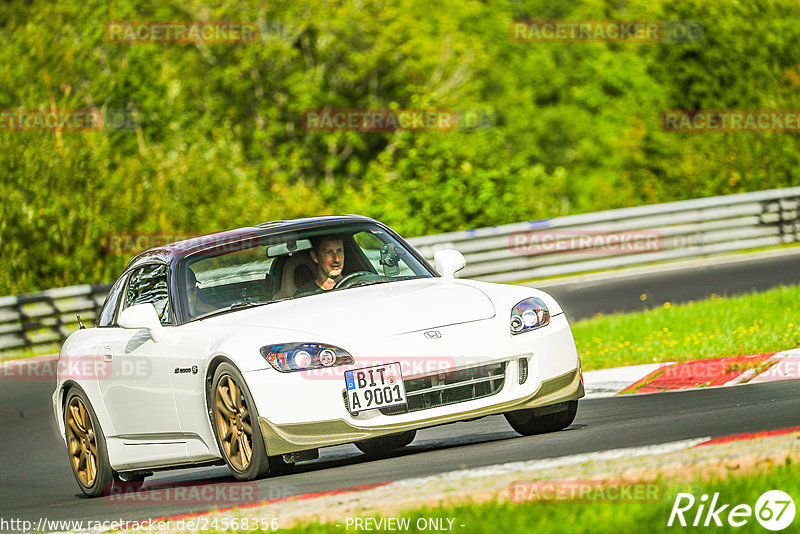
[{"x": 218, "y": 142}]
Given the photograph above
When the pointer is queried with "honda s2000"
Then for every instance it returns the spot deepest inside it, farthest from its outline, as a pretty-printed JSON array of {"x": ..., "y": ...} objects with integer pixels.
[{"x": 255, "y": 347}]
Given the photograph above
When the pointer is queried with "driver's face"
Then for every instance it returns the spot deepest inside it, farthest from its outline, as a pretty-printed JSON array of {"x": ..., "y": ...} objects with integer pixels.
[{"x": 330, "y": 259}]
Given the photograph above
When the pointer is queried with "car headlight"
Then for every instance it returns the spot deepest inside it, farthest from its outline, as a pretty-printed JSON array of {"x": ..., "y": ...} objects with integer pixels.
[
  {"x": 289, "y": 357},
  {"x": 529, "y": 314}
]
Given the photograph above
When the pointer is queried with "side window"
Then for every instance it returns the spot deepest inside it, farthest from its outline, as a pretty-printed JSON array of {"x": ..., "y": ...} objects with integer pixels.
[
  {"x": 149, "y": 285},
  {"x": 110, "y": 306}
]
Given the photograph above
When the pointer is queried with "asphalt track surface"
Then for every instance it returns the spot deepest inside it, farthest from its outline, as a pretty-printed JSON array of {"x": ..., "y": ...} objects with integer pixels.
[
  {"x": 36, "y": 481},
  {"x": 582, "y": 299}
]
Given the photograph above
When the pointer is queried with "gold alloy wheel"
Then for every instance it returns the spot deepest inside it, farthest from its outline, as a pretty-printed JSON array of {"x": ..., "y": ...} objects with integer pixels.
[
  {"x": 81, "y": 442},
  {"x": 233, "y": 423}
]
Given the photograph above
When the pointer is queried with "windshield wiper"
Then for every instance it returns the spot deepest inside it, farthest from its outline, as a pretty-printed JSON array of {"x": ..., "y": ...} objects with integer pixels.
[
  {"x": 244, "y": 304},
  {"x": 253, "y": 303},
  {"x": 366, "y": 283},
  {"x": 233, "y": 307}
]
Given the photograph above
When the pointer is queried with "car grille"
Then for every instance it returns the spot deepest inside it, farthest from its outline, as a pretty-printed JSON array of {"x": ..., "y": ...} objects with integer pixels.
[{"x": 450, "y": 387}]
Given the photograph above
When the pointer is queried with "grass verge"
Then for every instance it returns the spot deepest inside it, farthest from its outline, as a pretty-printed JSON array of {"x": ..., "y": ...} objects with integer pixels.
[
  {"x": 712, "y": 328},
  {"x": 564, "y": 516},
  {"x": 39, "y": 350}
]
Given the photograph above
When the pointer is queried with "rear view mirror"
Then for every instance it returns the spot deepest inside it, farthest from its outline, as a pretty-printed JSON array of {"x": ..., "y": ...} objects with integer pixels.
[
  {"x": 390, "y": 259},
  {"x": 290, "y": 247}
]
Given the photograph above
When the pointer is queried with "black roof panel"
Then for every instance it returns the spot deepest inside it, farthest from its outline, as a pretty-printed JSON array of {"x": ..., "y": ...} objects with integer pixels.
[{"x": 172, "y": 251}]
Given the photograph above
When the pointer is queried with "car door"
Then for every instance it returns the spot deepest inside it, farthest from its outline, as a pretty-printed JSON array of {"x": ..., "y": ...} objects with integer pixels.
[
  {"x": 237, "y": 274},
  {"x": 138, "y": 393}
]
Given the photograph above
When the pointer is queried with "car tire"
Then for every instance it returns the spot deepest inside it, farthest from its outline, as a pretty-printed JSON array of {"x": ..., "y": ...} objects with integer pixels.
[
  {"x": 527, "y": 423},
  {"x": 382, "y": 444},
  {"x": 86, "y": 445},
  {"x": 234, "y": 419}
]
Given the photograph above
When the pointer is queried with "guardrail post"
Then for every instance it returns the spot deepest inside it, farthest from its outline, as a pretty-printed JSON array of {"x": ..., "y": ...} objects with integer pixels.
[
  {"x": 22, "y": 318},
  {"x": 25, "y": 321},
  {"x": 788, "y": 218}
]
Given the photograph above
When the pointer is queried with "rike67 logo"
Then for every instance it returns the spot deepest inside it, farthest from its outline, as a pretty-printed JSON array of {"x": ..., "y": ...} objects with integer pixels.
[{"x": 774, "y": 510}]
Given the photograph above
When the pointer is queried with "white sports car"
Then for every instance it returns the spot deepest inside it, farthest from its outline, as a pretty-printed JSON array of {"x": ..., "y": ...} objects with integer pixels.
[{"x": 234, "y": 348}]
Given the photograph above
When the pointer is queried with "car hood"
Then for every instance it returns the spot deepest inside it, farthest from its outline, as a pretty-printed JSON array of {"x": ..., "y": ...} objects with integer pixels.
[{"x": 371, "y": 311}]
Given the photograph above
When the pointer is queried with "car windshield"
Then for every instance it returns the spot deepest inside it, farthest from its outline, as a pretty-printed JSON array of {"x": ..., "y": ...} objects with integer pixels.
[{"x": 292, "y": 265}]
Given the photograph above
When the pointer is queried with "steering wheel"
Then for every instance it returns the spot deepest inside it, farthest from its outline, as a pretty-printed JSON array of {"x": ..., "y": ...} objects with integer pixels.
[{"x": 347, "y": 279}]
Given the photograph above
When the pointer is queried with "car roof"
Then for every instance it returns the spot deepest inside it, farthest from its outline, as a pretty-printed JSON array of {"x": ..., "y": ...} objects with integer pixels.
[{"x": 170, "y": 252}]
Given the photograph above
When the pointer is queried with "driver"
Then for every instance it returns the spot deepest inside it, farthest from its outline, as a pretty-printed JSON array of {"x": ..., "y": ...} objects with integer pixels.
[
  {"x": 196, "y": 305},
  {"x": 328, "y": 253}
]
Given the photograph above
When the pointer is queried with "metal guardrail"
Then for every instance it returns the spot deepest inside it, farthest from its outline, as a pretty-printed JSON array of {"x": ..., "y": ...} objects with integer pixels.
[
  {"x": 675, "y": 230},
  {"x": 529, "y": 250},
  {"x": 49, "y": 316}
]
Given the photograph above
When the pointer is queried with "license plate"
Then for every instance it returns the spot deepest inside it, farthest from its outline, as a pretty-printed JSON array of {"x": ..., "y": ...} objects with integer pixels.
[{"x": 375, "y": 387}]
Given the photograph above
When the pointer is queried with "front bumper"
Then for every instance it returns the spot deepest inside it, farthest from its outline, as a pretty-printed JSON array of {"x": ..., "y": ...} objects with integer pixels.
[
  {"x": 291, "y": 437},
  {"x": 299, "y": 411}
]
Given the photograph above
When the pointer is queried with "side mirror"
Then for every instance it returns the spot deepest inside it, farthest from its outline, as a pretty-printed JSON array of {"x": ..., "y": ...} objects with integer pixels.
[
  {"x": 448, "y": 262},
  {"x": 142, "y": 316}
]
